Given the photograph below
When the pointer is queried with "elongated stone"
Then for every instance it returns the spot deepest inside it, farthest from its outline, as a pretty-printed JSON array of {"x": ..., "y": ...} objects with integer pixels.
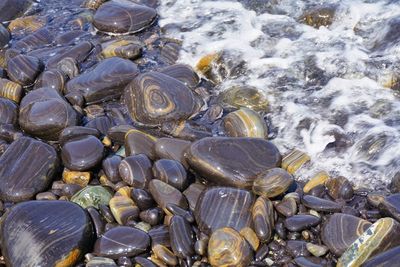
[
  {"x": 165, "y": 254},
  {"x": 384, "y": 234},
  {"x": 28, "y": 167},
  {"x": 136, "y": 171},
  {"x": 227, "y": 247},
  {"x": 138, "y": 142},
  {"x": 38, "y": 39},
  {"x": 263, "y": 218},
  {"x": 78, "y": 52},
  {"x": 182, "y": 237},
  {"x": 119, "y": 17},
  {"x": 320, "y": 204},
  {"x": 234, "y": 205},
  {"x": 272, "y": 182},
  {"x": 294, "y": 160},
  {"x": 105, "y": 81},
  {"x": 341, "y": 230},
  {"x": 163, "y": 194},
  {"x": 125, "y": 48},
  {"x": 62, "y": 240},
  {"x": 172, "y": 172},
  {"x": 232, "y": 161},
  {"x": 301, "y": 222},
  {"x": 318, "y": 179},
  {"x": 122, "y": 241},
  {"x": 171, "y": 148}
]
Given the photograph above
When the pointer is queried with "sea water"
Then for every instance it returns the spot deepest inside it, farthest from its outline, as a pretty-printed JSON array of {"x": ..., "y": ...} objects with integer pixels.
[{"x": 328, "y": 87}]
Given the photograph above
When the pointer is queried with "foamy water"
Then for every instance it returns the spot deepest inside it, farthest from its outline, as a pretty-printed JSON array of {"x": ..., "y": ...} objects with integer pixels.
[{"x": 326, "y": 86}]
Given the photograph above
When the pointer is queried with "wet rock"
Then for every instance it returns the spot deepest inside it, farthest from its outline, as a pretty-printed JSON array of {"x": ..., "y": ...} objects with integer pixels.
[
  {"x": 263, "y": 218},
  {"x": 243, "y": 96},
  {"x": 228, "y": 248},
  {"x": 152, "y": 216},
  {"x": 124, "y": 209},
  {"x": 341, "y": 230},
  {"x": 182, "y": 237},
  {"x": 319, "y": 16},
  {"x": 294, "y": 160},
  {"x": 110, "y": 167},
  {"x": 391, "y": 206},
  {"x": 142, "y": 198},
  {"x": 231, "y": 208},
  {"x": 26, "y": 24},
  {"x": 54, "y": 79},
  {"x": 117, "y": 17},
  {"x": 25, "y": 238},
  {"x": 78, "y": 52},
  {"x": 35, "y": 118},
  {"x": 122, "y": 241},
  {"x": 182, "y": 73},
  {"x": 245, "y": 123},
  {"x": 272, "y": 182},
  {"x": 8, "y": 111},
  {"x": 301, "y": 222},
  {"x": 381, "y": 236},
  {"x": 83, "y": 153},
  {"x": 320, "y": 204},
  {"x": 160, "y": 236},
  {"x": 138, "y": 142},
  {"x": 390, "y": 257},
  {"x": 74, "y": 132},
  {"x": 317, "y": 180},
  {"x": 163, "y": 194},
  {"x": 297, "y": 248},
  {"x": 75, "y": 177},
  {"x": 92, "y": 196},
  {"x": 232, "y": 161},
  {"x": 395, "y": 183},
  {"x": 164, "y": 254},
  {"x": 172, "y": 172},
  {"x": 153, "y": 98},
  {"x": 10, "y": 90},
  {"x": 10, "y": 9},
  {"x": 136, "y": 171},
  {"x": 192, "y": 194},
  {"x": 28, "y": 167},
  {"x": 24, "y": 69},
  {"x": 339, "y": 188},
  {"x": 317, "y": 250},
  {"x": 105, "y": 82},
  {"x": 287, "y": 207},
  {"x": 4, "y": 36},
  {"x": 124, "y": 48}
]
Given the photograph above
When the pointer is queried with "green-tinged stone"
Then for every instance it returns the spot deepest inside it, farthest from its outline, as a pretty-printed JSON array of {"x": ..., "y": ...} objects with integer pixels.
[
  {"x": 383, "y": 235},
  {"x": 92, "y": 196}
]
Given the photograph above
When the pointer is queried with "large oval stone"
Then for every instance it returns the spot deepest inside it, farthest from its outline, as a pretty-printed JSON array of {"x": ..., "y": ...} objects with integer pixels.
[
  {"x": 105, "y": 82},
  {"x": 27, "y": 168},
  {"x": 341, "y": 230},
  {"x": 117, "y": 17},
  {"x": 122, "y": 241},
  {"x": 46, "y": 233},
  {"x": 220, "y": 207},
  {"x": 232, "y": 161},
  {"x": 153, "y": 98}
]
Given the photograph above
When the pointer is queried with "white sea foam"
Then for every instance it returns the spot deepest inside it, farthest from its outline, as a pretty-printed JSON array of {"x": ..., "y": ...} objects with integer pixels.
[{"x": 352, "y": 109}]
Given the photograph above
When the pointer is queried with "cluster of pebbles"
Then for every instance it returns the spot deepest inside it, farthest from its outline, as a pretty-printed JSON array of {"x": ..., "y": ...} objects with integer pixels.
[{"x": 113, "y": 155}]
